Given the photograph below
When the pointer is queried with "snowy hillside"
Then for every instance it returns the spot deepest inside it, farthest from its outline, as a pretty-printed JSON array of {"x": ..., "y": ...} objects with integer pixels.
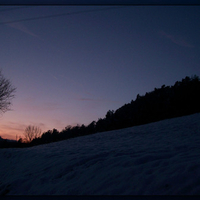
[{"x": 157, "y": 158}]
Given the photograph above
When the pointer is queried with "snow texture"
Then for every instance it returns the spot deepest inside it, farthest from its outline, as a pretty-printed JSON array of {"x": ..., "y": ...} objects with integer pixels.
[{"x": 161, "y": 158}]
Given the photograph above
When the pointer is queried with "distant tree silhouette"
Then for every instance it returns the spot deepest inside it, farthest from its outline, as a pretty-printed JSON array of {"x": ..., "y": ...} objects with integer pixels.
[
  {"x": 165, "y": 102},
  {"x": 6, "y": 93},
  {"x": 20, "y": 140},
  {"x": 32, "y": 132}
]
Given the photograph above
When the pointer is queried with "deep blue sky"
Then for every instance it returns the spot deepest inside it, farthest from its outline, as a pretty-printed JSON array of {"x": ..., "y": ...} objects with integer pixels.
[{"x": 72, "y": 69}]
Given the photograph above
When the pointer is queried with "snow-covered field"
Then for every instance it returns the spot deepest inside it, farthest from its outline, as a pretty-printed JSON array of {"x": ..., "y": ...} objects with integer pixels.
[{"x": 157, "y": 158}]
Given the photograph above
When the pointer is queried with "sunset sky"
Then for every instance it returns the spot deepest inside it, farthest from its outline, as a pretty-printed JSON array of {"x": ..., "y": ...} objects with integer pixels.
[{"x": 71, "y": 64}]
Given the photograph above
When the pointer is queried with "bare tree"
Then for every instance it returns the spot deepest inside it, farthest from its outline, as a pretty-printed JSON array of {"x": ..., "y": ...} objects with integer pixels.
[
  {"x": 32, "y": 132},
  {"x": 6, "y": 93}
]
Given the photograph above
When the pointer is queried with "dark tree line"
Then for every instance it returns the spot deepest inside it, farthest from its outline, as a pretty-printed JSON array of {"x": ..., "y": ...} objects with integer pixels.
[{"x": 166, "y": 102}]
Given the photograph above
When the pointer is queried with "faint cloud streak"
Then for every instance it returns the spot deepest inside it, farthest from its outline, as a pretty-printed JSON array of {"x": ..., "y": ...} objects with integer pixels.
[
  {"x": 19, "y": 26},
  {"x": 31, "y": 103},
  {"x": 181, "y": 41},
  {"x": 96, "y": 100},
  {"x": 12, "y": 129}
]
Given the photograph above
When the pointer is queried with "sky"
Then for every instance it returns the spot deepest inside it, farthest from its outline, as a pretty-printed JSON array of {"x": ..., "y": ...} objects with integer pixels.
[{"x": 71, "y": 64}]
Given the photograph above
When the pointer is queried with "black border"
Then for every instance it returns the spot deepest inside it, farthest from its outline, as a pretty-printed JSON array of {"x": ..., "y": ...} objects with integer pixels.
[
  {"x": 106, "y": 3},
  {"x": 100, "y": 197},
  {"x": 99, "y": 2}
]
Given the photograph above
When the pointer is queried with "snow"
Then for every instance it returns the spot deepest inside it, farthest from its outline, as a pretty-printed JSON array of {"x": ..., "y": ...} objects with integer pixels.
[{"x": 159, "y": 158}]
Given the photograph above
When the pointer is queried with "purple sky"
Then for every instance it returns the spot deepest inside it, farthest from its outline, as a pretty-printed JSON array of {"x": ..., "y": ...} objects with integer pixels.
[{"x": 72, "y": 69}]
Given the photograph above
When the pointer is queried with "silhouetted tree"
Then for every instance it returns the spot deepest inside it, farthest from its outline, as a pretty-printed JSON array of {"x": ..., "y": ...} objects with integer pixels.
[
  {"x": 165, "y": 102},
  {"x": 91, "y": 127},
  {"x": 20, "y": 140},
  {"x": 32, "y": 132},
  {"x": 55, "y": 134},
  {"x": 6, "y": 93}
]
